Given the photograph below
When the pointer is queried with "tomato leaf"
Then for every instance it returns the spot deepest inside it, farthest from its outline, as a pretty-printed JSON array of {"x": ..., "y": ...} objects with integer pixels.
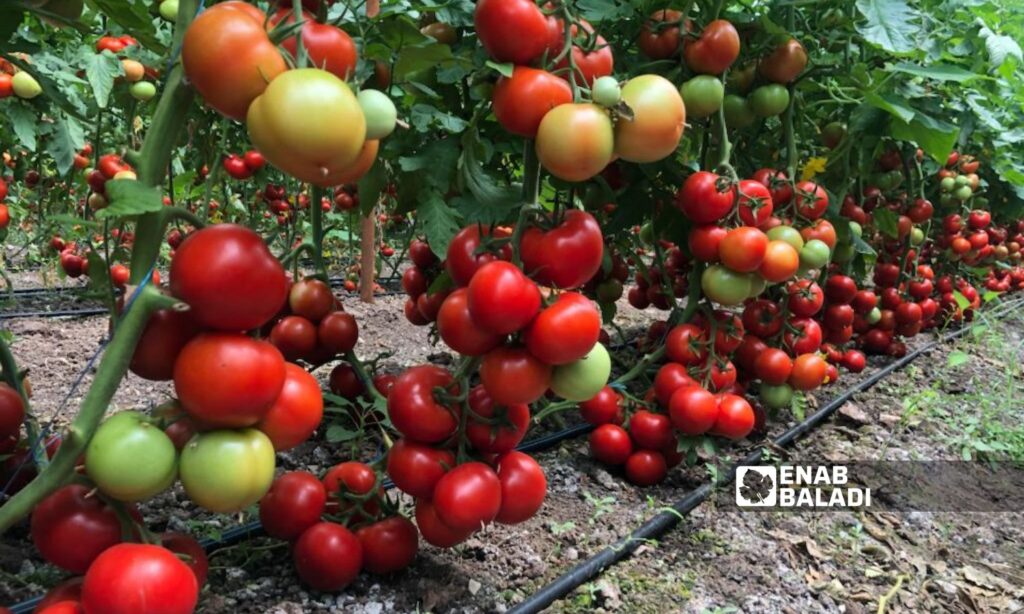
[
  {"x": 505, "y": 69},
  {"x": 66, "y": 138},
  {"x": 370, "y": 186},
  {"x": 935, "y": 137},
  {"x": 957, "y": 358},
  {"x": 439, "y": 222},
  {"x": 101, "y": 69},
  {"x": 127, "y": 197},
  {"x": 608, "y": 311},
  {"x": 897, "y": 108},
  {"x": 887, "y": 222},
  {"x": 890, "y": 24},
  {"x": 25, "y": 121},
  {"x": 337, "y": 434},
  {"x": 442, "y": 282},
  {"x": 938, "y": 72},
  {"x": 961, "y": 300}
]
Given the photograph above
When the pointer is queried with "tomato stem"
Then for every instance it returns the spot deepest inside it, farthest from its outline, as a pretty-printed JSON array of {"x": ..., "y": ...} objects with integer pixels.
[{"x": 317, "y": 221}]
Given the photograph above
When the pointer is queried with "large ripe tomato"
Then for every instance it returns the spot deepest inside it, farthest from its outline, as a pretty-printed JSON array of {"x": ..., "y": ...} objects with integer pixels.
[
  {"x": 603, "y": 408},
  {"x": 762, "y": 318},
  {"x": 582, "y": 379},
  {"x": 523, "y": 487},
  {"x": 693, "y": 410},
  {"x": 646, "y": 467},
  {"x": 413, "y": 409},
  {"x": 590, "y": 65},
  {"x": 575, "y": 141},
  {"x": 512, "y": 30},
  {"x": 167, "y": 331},
  {"x": 715, "y": 50},
  {"x": 659, "y": 117},
  {"x": 611, "y": 444},
  {"x": 389, "y": 545},
  {"x": 803, "y": 337},
  {"x": 297, "y": 411},
  {"x": 812, "y": 201},
  {"x": 649, "y": 430},
  {"x": 777, "y": 182},
  {"x": 565, "y": 331},
  {"x": 785, "y": 63},
  {"x": 286, "y": 123},
  {"x": 338, "y": 333},
  {"x": 755, "y": 204},
  {"x": 12, "y": 413},
  {"x": 773, "y": 366},
  {"x": 188, "y": 550},
  {"x": 468, "y": 497},
  {"x": 229, "y": 58},
  {"x": 488, "y": 436},
  {"x": 743, "y": 249},
  {"x": 228, "y": 379},
  {"x": 466, "y": 252},
  {"x": 433, "y": 530},
  {"x": 228, "y": 277},
  {"x": 705, "y": 197},
  {"x": 566, "y": 256},
  {"x": 521, "y": 101},
  {"x": 502, "y": 299},
  {"x": 71, "y": 527},
  {"x": 514, "y": 376},
  {"x": 327, "y": 556},
  {"x": 659, "y": 39},
  {"x": 134, "y": 578},
  {"x": 328, "y": 47},
  {"x": 805, "y": 298},
  {"x": 131, "y": 459},
  {"x": 227, "y": 470},
  {"x": 311, "y": 299},
  {"x": 295, "y": 502},
  {"x": 705, "y": 240},
  {"x": 416, "y": 468},
  {"x": 686, "y": 344},
  {"x": 671, "y": 377},
  {"x": 809, "y": 372},
  {"x": 456, "y": 328},
  {"x": 68, "y": 590},
  {"x": 735, "y": 417}
]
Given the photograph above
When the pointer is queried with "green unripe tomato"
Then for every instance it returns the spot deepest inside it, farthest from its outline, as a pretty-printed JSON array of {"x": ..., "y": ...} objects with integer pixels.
[
  {"x": 945, "y": 199},
  {"x": 227, "y": 470},
  {"x": 788, "y": 234},
  {"x": 169, "y": 9},
  {"x": 961, "y": 180},
  {"x": 381, "y": 114},
  {"x": 725, "y": 286},
  {"x": 702, "y": 96},
  {"x": 131, "y": 459},
  {"x": 874, "y": 316},
  {"x": 584, "y": 378},
  {"x": 844, "y": 253},
  {"x": 833, "y": 134},
  {"x": 963, "y": 192},
  {"x": 776, "y": 397},
  {"x": 142, "y": 90},
  {"x": 981, "y": 202},
  {"x": 916, "y": 236},
  {"x": 856, "y": 230},
  {"x": 947, "y": 184},
  {"x": 606, "y": 92},
  {"x": 769, "y": 100},
  {"x": 814, "y": 254},
  {"x": 738, "y": 114},
  {"x": 647, "y": 233},
  {"x": 609, "y": 291},
  {"x": 25, "y": 86},
  {"x": 757, "y": 285}
]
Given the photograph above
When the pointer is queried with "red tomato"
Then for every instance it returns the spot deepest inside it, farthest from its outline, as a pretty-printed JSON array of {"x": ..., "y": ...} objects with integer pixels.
[
  {"x": 773, "y": 366},
  {"x": 812, "y": 201},
  {"x": 705, "y": 197},
  {"x": 804, "y": 337},
  {"x": 295, "y": 337},
  {"x": 295, "y": 502},
  {"x": 338, "y": 332},
  {"x": 501, "y": 299},
  {"x": 468, "y": 497},
  {"x": 514, "y": 376},
  {"x": 566, "y": 256},
  {"x": 646, "y": 467},
  {"x": 433, "y": 530},
  {"x": 657, "y": 41},
  {"x": 565, "y": 331},
  {"x": 68, "y": 590},
  {"x": 12, "y": 413},
  {"x": 671, "y": 377},
  {"x": 610, "y": 443},
  {"x": 491, "y": 438},
  {"x": 467, "y": 252},
  {"x": 389, "y": 545},
  {"x": 686, "y": 344},
  {"x": 70, "y": 528},
  {"x": 228, "y": 277},
  {"x": 456, "y": 328},
  {"x": 743, "y": 249},
  {"x": 693, "y": 410},
  {"x": 512, "y": 30},
  {"x": 416, "y": 468},
  {"x": 328, "y": 556},
  {"x": 704, "y": 242},
  {"x": 762, "y": 318},
  {"x": 227, "y": 379},
  {"x": 134, "y": 578},
  {"x": 649, "y": 430},
  {"x": 809, "y": 372},
  {"x": 590, "y": 65},
  {"x": 297, "y": 411},
  {"x": 522, "y": 100},
  {"x": 755, "y": 205},
  {"x": 805, "y": 298},
  {"x": 413, "y": 409},
  {"x": 715, "y": 50},
  {"x": 854, "y": 361},
  {"x": 777, "y": 182},
  {"x": 327, "y": 46},
  {"x": 523, "y": 487},
  {"x": 735, "y": 417},
  {"x": 840, "y": 289},
  {"x": 603, "y": 408}
]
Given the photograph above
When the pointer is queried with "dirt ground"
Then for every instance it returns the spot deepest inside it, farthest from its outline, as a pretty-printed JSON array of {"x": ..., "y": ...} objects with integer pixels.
[{"x": 954, "y": 402}]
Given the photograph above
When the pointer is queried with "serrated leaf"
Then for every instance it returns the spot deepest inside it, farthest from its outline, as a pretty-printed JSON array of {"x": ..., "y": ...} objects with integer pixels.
[
  {"x": 890, "y": 24},
  {"x": 938, "y": 72},
  {"x": 439, "y": 222},
  {"x": 25, "y": 121},
  {"x": 370, "y": 187},
  {"x": 1001, "y": 47},
  {"x": 128, "y": 197},
  {"x": 887, "y": 222},
  {"x": 66, "y": 138},
  {"x": 101, "y": 69},
  {"x": 936, "y": 138},
  {"x": 957, "y": 358}
]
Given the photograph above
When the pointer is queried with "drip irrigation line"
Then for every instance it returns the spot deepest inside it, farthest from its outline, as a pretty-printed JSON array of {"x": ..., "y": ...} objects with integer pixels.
[{"x": 668, "y": 519}]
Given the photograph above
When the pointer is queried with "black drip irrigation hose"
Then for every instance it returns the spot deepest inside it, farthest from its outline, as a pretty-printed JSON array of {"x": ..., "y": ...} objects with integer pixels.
[{"x": 667, "y": 520}]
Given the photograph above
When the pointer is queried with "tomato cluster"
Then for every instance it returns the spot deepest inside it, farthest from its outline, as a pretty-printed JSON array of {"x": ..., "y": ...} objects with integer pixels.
[{"x": 244, "y": 166}]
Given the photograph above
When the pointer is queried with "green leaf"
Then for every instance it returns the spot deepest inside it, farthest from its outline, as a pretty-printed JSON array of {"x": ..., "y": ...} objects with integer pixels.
[
  {"x": 891, "y": 24},
  {"x": 961, "y": 300},
  {"x": 957, "y": 358},
  {"x": 887, "y": 222},
  {"x": 420, "y": 57},
  {"x": 439, "y": 222},
  {"x": 370, "y": 186},
  {"x": 337, "y": 434},
  {"x": 608, "y": 311},
  {"x": 10, "y": 18},
  {"x": 424, "y": 116},
  {"x": 989, "y": 296},
  {"x": 935, "y": 137},
  {"x": 898, "y": 108},
  {"x": 101, "y": 69},
  {"x": 134, "y": 17},
  {"x": 443, "y": 281},
  {"x": 861, "y": 246},
  {"x": 67, "y": 137},
  {"x": 999, "y": 47},
  {"x": 505, "y": 69},
  {"x": 938, "y": 72},
  {"x": 25, "y": 121},
  {"x": 127, "y": 197}
]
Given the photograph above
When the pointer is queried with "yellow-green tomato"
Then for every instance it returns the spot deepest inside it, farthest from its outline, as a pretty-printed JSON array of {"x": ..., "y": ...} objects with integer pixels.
[
  {"x": 575, "y": 141},
  {"x": 380, "y": 113},
  {"x": 25, "y": 85},
  {"x": 702, "y": 95},
  {"x": 309, "y": 124},
  {"x": 169, "y": 9},
  {"x": 131, "y": 459},
  {"x": 227, "y": 470},
  {"x": 606, "y": 91},
  {"x": 725, "y": 286},
  {"x": 583, "y": 379},
  {"x": 658, "y": 119},
  {"x": 776, "y": 397},
  {"x": 142, "y": 90},
  {"x": 788, "y": 234},
  {"x": 757, "y": 285},
  {"x": 814, "y": 254}
]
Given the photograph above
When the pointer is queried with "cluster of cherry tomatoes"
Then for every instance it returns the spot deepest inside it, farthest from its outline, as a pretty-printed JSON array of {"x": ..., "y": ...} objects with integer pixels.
[{"x": 243, "y": 166}]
